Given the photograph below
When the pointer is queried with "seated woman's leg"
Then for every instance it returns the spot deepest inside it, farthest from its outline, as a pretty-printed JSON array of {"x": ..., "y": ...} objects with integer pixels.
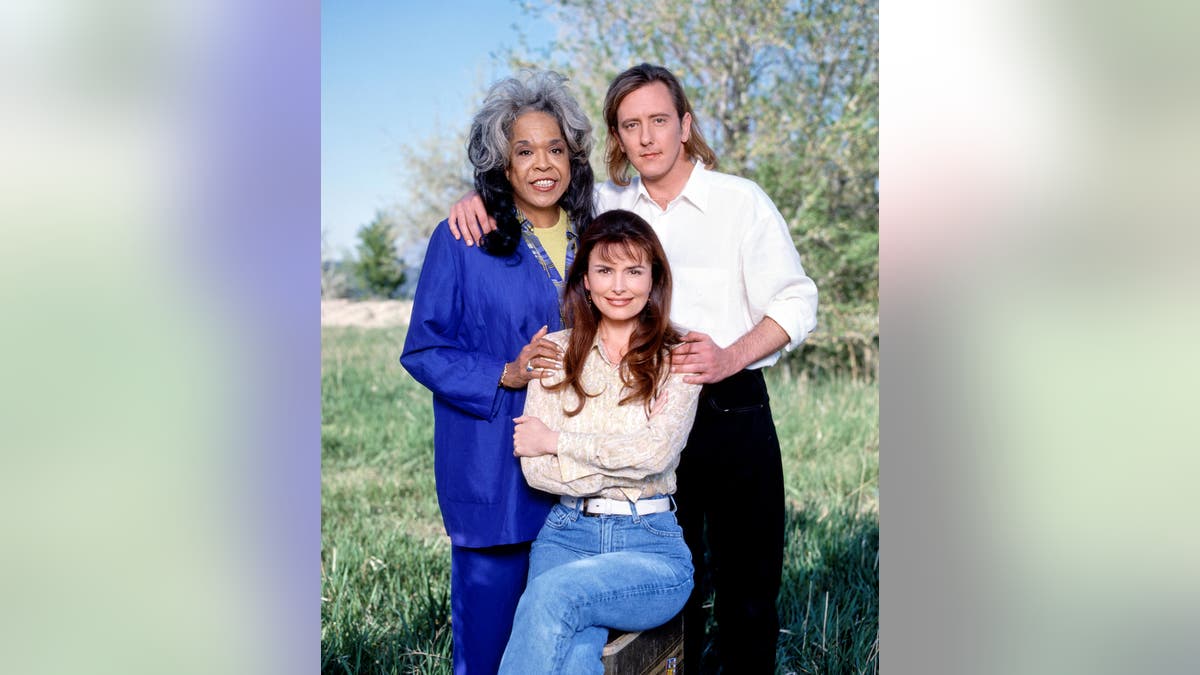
[
  {"x": 563, "y": 539},
  {"x": 583, "y": 656},
  {"x": 566, "y": 610}
]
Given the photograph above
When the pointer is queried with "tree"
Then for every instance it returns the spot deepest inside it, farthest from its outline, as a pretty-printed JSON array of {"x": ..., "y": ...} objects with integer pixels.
[
  {"x": 786, "y": 92},
  {"x": 377, "y": 267},
  {"x": 334, "y": 283},
  {"x": 438, "y": 174}
]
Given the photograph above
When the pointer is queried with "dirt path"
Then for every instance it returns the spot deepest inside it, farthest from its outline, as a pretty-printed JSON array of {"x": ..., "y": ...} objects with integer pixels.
[{"x": 365, "y": 313}]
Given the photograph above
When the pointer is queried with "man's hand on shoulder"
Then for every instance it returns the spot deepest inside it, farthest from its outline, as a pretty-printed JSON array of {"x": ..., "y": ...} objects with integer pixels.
[{"x": 469, "y": 220}]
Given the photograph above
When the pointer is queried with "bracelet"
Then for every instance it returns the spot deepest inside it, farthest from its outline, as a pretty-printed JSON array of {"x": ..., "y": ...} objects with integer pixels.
[{"x": 503, "y": 374}]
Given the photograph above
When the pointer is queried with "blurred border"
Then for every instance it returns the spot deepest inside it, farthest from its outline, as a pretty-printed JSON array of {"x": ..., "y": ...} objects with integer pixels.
[
  {"x": 1038, "y": 331},
  {"x": 161, "y": 397},
  {"x": 161, "y": 347}
]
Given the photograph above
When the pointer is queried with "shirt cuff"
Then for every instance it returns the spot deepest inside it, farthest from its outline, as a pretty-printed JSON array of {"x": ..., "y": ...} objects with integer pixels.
[
  {"x": 795, "y": 317},
  {"x": 498, "y": 392}
]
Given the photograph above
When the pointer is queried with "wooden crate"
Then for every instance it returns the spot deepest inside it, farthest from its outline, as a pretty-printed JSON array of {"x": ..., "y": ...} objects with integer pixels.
[{"x": 650, "y": 652}]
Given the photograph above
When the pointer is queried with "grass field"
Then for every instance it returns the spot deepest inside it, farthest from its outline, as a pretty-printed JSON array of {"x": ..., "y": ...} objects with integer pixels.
[{"x": 385, "y": 560}]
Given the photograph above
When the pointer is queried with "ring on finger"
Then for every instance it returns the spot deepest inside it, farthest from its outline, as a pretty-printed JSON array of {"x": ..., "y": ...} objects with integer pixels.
[{"x": 529, "y": 366}]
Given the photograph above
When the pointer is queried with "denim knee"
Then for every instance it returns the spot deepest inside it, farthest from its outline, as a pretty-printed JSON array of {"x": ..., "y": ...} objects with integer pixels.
[{"x": 550, "y": 601}]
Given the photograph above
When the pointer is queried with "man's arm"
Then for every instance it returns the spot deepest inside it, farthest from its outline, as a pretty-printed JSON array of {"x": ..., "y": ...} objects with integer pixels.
[{"x": 705, "y": 362}]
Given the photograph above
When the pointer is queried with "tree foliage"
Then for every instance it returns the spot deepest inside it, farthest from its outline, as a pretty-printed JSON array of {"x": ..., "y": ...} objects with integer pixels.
[
  {"x": 785, "y": 91},
  {"x": 440, "y": 175},
  {"x": 334, "y": 282},
  {"x": 378, "y": 268}
]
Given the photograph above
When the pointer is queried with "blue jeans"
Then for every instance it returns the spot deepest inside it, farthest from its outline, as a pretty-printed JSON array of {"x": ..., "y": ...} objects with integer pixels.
[{"x": 591, "y": 573}]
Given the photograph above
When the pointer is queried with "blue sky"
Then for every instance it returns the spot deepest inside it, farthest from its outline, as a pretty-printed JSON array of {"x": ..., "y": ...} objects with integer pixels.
[{"x": 391, "y": 73}]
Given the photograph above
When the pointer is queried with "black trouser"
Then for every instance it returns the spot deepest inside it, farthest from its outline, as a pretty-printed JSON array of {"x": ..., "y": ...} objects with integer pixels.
[{"x": 730, "y": 479}]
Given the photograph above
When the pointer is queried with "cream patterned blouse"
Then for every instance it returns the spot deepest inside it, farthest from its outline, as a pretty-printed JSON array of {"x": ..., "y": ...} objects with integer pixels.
[{"x": 608, "y": 450}]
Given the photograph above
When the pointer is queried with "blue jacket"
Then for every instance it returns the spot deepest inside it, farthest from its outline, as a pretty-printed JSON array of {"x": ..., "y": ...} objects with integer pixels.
[{"x": 472, "y": 313}]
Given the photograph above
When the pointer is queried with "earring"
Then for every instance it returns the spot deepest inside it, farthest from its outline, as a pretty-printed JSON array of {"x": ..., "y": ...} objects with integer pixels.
[{"x": 587, "y": 296}]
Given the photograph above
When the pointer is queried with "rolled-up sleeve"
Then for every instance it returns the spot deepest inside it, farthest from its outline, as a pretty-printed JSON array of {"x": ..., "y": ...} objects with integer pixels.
[{"x": 775, "y": 281}]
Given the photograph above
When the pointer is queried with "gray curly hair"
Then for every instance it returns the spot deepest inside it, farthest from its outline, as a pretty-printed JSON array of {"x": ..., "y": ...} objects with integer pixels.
[{"x": 511, "y": 97}]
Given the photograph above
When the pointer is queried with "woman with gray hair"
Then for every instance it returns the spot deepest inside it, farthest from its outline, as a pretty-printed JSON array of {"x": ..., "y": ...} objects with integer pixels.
[{"x": 478, "y": 321}]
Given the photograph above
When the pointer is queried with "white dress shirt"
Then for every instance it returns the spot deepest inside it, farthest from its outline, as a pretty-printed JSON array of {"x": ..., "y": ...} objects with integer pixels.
[{"x": 731, "y": 255}]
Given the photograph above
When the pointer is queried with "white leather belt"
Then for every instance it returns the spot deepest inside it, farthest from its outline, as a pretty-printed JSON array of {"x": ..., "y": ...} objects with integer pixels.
[{"x": 599, "y": 506}]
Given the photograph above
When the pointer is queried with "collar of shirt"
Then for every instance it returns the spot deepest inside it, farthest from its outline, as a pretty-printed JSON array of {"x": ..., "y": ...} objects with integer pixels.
[
  {"x": 600, "y": 350},
  {"x": 539, "y": 254},
  {"x": 696, "y": 190}
]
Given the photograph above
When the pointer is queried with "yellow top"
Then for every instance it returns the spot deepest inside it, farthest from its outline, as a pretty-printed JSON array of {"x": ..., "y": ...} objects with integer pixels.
[{"x": 554, "y": 240}]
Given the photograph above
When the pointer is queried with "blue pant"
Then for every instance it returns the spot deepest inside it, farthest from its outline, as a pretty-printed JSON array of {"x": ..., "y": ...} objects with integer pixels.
[
  {"x": 591, "y": 573},
  {"x": 485, "y": 584}
]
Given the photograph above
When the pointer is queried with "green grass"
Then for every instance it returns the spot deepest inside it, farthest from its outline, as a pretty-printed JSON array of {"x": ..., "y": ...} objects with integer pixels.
[{"x": 385, "y": 560}]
